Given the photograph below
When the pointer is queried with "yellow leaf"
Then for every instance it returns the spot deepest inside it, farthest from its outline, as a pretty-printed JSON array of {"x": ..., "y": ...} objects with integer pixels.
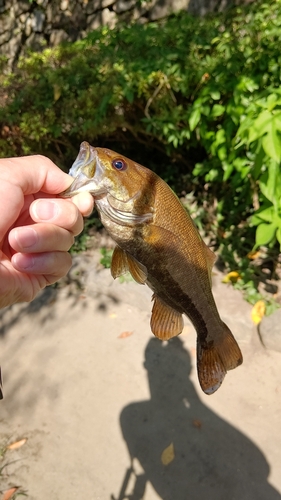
[
  {"x": 231, "y": 277},
  {"x": 16, "y": 444},
  {"x": 254, "y": 254},
  {"x": 168, "y": 454},
  {"x": 258, "y": 312}
]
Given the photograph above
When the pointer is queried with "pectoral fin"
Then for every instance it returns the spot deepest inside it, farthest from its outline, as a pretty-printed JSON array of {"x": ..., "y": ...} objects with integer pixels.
[
  {"x": 165, "y": 321},
  {"x": 122, "y": 263},
  {"x": 119, "y": 264}
]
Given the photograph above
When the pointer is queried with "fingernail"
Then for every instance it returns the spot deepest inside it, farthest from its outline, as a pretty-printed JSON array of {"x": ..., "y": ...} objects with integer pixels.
[
  {"x": 23, "y": 261},
  {"x": 26, "y": 237},
  {"x": 46, "y": 210}
]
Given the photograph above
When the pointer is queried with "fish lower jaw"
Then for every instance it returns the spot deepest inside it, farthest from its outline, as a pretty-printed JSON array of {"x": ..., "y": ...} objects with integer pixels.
[{"x": 73, "y": 190}]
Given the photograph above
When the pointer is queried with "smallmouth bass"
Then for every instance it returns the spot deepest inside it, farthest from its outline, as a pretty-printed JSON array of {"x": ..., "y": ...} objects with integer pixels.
[{"x": 158, "y": 243}]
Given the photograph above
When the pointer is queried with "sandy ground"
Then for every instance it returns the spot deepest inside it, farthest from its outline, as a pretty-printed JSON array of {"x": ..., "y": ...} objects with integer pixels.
[{"x": 100, "y": 400}]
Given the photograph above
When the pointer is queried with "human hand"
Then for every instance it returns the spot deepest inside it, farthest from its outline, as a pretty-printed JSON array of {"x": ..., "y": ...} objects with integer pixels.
[{"x": 37, "y": 228}]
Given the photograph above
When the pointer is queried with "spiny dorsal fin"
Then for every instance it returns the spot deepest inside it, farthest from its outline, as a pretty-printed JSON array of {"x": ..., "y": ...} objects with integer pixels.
[
  {"x": 122, "y": 263},
  {"x": 165, "y": 321},
  {"x": 215, "y": 358}
]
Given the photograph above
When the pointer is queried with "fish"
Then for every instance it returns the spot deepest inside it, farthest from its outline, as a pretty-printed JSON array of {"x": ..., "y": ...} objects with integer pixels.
[{"x": 159, "y": 244}]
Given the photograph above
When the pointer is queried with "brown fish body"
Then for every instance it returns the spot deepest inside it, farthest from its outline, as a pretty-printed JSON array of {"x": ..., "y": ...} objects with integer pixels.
[{"x": 159, "y": 244}]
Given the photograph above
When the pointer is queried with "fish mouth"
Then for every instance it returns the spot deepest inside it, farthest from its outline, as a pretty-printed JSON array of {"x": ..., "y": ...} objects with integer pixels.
[{"x": 83, "y": 171}]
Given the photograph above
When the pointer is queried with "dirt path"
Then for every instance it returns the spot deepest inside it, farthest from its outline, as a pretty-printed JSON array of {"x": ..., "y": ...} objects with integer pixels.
[{"x": 88, "y": 385}]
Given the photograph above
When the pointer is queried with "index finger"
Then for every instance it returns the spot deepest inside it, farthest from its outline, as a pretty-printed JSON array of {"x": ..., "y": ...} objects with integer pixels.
[
  {"x": 33, "y": 174},
  {"x": 24, "y": 176}
]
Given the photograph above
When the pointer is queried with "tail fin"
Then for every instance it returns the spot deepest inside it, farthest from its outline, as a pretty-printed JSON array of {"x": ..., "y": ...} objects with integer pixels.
[{"x": 215, "y": 358}]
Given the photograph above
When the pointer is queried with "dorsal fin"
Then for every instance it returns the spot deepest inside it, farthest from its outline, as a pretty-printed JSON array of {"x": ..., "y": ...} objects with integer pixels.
[{"x": 165, "y": 321}]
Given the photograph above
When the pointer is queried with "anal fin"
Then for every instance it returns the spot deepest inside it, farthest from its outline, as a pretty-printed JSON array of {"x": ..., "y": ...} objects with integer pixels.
[
  {"x": 165, "y": 321},
  {"x": 215, "y": 358}
]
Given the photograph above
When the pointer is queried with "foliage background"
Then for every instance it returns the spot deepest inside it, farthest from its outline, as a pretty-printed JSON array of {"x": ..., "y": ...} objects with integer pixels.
[{"x": 197, "y": 100}]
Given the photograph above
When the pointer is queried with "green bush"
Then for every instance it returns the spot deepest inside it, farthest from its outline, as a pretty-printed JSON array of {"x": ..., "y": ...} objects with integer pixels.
[{"x": 198, "y": 100}]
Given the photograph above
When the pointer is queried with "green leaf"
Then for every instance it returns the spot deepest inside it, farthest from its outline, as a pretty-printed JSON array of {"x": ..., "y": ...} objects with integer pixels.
[
  {"x": 277, "y": 120},
  {"x": 266, "y": 215},
  {"x": 211, "y": 175},
  {"x": 270, "y": 183},
  {"x": 194, "y": 119},
  {"x": 278, "y": 235},
  {"x": 265, "y": 234},
  {"x": 251, "y": 85},
  {"x": 253, "y": 134},
  {"x": 217, "y": 110},
  {"x": 215, "y": 95},
  {"x": 271, "y": 143},
  {"x": 222, "y": 152},
  {"x": 271, "y": 101},
  {"x": 263, "y": 122},
  {"x": 228, "y": 169}
]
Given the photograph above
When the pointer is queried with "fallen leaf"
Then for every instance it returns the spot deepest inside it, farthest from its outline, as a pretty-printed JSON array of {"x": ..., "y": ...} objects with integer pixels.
[
  {"x": 168, "y": 454},
  {"x": 231, "y": 277},
  {"x": 124, "y": 335},
  {"x": 197, "y": 423},
  {"x": 254, "y": 254},
  {"x": 16, "y": 444},
  {"x": 258, "y": 311},
  {"x": 8, "y": 494}
]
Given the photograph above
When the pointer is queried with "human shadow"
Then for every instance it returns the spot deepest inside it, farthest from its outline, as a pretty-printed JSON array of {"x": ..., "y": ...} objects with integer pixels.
[{"x": 212, "y": 460}]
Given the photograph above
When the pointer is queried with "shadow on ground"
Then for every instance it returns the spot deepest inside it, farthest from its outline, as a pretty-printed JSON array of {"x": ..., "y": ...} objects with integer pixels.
[
  {"x": 212, "y": 459},
  {"x": 45, "y": 306}
]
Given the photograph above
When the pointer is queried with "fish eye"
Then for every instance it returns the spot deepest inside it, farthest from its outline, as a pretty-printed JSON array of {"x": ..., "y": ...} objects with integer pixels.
[{"x": 119, "y": 164}]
